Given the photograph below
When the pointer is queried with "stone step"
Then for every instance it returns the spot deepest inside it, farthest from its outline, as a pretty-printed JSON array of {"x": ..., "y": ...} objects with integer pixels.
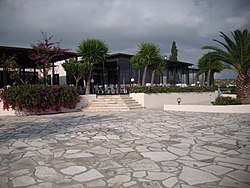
[{"x": 113, "y": 103}]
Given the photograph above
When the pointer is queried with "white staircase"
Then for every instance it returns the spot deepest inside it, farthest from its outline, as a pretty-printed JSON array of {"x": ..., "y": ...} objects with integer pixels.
[{"x": 113, "y": 103}]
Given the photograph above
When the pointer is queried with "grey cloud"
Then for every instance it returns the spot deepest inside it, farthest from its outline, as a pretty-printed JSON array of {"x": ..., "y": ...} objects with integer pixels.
[{"x": 123, "y": 24}]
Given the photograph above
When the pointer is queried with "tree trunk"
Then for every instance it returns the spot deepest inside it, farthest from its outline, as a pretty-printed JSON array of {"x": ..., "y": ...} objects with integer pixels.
[
  {"x": 209, "y": 78},
  {"x": 152, "y": 77},
  {"x": 243, "y": 88},
  {"x": 139, "y": 77},
  {"x": 87, "y": 92},
  {"x": 144, "y": 75},
  {"x": 206, "y": 80},
  {"x": 76, "y": 80}
]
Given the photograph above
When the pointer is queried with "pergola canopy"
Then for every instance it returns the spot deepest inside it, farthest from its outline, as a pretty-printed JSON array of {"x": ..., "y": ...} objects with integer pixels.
[{"x": 22, "y": 56}]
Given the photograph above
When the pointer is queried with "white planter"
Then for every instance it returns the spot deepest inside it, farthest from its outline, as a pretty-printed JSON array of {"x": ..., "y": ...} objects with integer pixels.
[
  {"x": 210, "y": 109},
  {"x": 161, "y": 99}
]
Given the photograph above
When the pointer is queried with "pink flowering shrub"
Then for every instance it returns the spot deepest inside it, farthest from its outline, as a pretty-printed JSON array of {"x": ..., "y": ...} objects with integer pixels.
[{"x": 37, "y": 98}]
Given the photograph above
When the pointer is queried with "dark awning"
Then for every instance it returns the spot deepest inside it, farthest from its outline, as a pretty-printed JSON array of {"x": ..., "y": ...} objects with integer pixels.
[{"x": 22, "y": 56}]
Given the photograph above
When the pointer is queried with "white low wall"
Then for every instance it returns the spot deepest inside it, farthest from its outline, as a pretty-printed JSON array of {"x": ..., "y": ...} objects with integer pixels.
[
  {"x": 213, "y": 109},
  {"x": 85, "y": 101},
  {"x": 160, "y": 99}
]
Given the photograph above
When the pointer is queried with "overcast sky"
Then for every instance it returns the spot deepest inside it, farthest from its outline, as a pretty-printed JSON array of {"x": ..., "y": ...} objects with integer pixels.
[{"x": 122, "y": 24}]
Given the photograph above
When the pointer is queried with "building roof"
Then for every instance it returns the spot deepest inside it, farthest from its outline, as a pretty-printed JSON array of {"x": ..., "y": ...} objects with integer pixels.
[{"x": 22, "y": 56}]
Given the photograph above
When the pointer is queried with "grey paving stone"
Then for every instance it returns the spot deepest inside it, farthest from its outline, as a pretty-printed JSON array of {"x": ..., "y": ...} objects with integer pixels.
[
  {"x": 74, "y": 186},
  {"x": 144, "y": 164},
  {"x": 194, "y": 163},
  {"x": 199, "y": 156},
  {"x": 239, "y": 175},
  {"x": 31, "y": 154},
  {"x": 88, "y": 176},
  {"x": 20, "y": 144},
  {"x": 109, "y": 165},
  {"x": 216, "y": 169},
  {"x": 178, "y": 151},
  {"x": 42, "y": 185},
  {"x": 119, "y": 179},
  {"x": 159, "y": 156},
  {"x": 72, "y": 151},
  {"x": 3, "y": 182},
  {"x": 48, "y": 174},
  {"x": 19, "y": 172},
  {"x": 99, "y": 150},
  {"x": 215, "y": 149},
  {"x": 125, "y": 150},
  {"x": 5, "y": 151},
  {"x": 158, "y": 175},
  {"x": 228, "y": 182},
  {"x": 237, "y": 161},
  {"x": 153, "y": 184},
  {"x": 193, "y": 176},
  {"x": 23, "y": 181},
  {"x": 202, "y": 142},
  {"x": 77, "y": 155},
  {"x": 64, "y": 165},
  {"x": 129, "y": 184},
  {"x": 72, "y": 170},
  {"x": 139, "y": 174},
  {"x": 37, "y": 144},
  {"x": 23, "y": 163},
  {"x": 170, "y": 182},
  {"x": 96, "y": 183},
  {"x": 45, "y": 152},
  {"x": 230, "y": 165},
  {"x": 58, "y": 153}
]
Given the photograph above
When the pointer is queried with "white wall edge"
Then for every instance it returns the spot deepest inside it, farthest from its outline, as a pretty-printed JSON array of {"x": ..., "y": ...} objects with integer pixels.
[{"x": 213, "y": 109}]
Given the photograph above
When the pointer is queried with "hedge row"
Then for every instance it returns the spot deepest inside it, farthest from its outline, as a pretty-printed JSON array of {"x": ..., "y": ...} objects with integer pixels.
[
  {"x": 37, "y": 98},
  {"x": 175, "y": 89},
  {"x": 226, "y": 101}
]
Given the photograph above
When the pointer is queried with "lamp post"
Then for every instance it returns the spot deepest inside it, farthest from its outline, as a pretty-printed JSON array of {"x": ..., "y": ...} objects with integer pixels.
[
  {"x": 179, "y": 101},
  {"x": 132, "y": 81}
]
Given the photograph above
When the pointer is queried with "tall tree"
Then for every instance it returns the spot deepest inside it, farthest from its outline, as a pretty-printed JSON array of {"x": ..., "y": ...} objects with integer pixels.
[
  {"x": 92, "y": 51},
  {"x": 43, "y": 53},
  {"x": 236, "y": 54},
  {"x": 208, "y": 66},
  {"x": 148, "y": 53},
  {"x": 174, "y": 52},
  {"x": 75, "y": 68}
]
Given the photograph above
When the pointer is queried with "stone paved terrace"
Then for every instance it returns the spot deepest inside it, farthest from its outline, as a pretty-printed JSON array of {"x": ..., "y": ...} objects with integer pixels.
[{"x": 144, "y": 148}]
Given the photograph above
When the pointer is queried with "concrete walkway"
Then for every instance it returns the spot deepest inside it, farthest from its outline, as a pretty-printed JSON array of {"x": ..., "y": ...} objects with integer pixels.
[{"x": 144, "y": 148}]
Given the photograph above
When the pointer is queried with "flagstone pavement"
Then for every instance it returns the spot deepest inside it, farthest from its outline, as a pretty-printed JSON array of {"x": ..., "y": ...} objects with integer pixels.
[{"x": 144, "y": 148}]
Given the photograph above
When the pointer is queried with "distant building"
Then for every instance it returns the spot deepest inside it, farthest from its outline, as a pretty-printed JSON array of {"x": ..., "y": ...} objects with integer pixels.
[{"x": 116, "y": 71}]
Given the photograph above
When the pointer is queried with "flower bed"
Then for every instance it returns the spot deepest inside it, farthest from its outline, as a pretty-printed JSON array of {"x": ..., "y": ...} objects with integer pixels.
[{"x": 38, "y": 98}]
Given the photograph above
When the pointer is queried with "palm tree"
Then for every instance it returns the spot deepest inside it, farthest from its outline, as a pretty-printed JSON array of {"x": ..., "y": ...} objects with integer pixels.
[
  {"x": 148, "y": 53},
  {"x": 92, "y": 51},
  {"x": 208, "y": 66},
  {"x": 237, "y": 55}
]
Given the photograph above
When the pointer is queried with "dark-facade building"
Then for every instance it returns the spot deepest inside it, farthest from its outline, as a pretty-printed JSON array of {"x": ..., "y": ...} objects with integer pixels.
[{"x": 116, "y": 72}]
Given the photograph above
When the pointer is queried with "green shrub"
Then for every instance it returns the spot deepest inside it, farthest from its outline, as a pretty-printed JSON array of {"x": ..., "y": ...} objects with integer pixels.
[
  {"x": 225, "y": 101},
  {"x": 37, "y": 98},
  {"x": 174, "y": 89}
]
